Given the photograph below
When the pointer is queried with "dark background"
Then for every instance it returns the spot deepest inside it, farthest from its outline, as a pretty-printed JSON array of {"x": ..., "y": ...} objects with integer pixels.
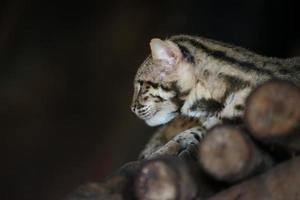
[{"x": 66, "y": 72}]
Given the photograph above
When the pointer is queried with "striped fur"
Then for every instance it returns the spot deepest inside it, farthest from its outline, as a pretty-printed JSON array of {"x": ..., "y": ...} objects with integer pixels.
[{"x": 202, "y": 78}]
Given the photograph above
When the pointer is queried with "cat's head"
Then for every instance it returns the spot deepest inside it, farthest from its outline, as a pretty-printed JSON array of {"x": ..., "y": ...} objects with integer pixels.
[{"x": 161, "y": 83}]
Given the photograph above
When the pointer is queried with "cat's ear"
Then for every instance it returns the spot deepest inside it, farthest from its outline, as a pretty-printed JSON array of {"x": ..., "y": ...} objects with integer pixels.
[{"x": 165, "y": 51}]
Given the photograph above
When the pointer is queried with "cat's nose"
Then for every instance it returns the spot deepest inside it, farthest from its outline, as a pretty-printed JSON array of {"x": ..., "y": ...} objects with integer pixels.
[{"x": 133, "y": 107}]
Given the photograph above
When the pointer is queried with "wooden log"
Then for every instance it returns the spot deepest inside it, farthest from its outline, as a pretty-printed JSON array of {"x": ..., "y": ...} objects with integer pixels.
[
  {"x": 280, "y": 183},
  {"x": 168, "y": 178},
  {"x": 228, "y": 154},
  {"x": 273, "y": 114},
  {"x": 118, "y": 186}
]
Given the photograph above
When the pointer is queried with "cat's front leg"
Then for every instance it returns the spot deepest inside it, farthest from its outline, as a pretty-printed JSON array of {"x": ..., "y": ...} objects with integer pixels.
[
  {"x": 234, "y": 105},
  {"x": 232, "y": 112},
  {"x": 183, "y": 143}
]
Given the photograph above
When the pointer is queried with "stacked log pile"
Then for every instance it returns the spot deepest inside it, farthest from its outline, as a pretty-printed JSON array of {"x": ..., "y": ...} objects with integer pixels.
[{"x": 257, "y": 159}]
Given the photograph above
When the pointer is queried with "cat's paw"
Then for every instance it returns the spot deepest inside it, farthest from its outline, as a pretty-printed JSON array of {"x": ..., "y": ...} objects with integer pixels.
[
  {"x": 187, "y": 137},
  {"x": 186, "y": 141}
]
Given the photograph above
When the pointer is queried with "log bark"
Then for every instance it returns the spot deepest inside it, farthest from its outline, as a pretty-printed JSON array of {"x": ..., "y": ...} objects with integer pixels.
[
  {"x": 273, "y": 114},
  {"x": 169, "y": 178},
  {"x": 280, "y": 183},
  {"x": 228, "y": 154}
]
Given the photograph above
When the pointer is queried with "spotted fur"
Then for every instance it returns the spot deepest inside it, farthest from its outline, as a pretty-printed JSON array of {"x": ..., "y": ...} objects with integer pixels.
[{"x": 202, "y": 78}]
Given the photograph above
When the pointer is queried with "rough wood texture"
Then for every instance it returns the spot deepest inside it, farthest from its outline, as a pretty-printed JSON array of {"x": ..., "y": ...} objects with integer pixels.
[
  {"x": 228, "y": 154},
  {"x": 273, "y": 114},
  {"x": 169, "y": 178},
  {"x": 280, "y": 183}
]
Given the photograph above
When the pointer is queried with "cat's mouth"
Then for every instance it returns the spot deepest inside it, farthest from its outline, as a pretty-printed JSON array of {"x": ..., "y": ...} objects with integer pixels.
[
  {"x": 156, "y": 116},
  {"x": 147, "y": 113}
]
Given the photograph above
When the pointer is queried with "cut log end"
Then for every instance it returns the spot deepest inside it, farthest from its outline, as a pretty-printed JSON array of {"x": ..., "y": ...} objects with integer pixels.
[
  {"x": 165, "y": 178},
  {"x": 228, "y": 154},
  {"x": 273, "y": 109},
  {"x": 156, "y": 180},
  {"x": 224, "y": 152}
]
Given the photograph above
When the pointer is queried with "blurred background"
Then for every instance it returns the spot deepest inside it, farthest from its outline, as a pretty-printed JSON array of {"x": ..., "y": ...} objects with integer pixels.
[{"x": 66, "y": 73}]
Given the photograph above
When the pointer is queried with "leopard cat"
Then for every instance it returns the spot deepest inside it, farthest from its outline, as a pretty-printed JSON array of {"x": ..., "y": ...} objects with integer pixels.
[{"x": 202, "y": 78}]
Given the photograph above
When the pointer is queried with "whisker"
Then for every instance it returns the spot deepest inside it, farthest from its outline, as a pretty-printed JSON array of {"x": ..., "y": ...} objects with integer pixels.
[
  {"x": 143, "y": 112},
  {"x": 145, "y": 108}
]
